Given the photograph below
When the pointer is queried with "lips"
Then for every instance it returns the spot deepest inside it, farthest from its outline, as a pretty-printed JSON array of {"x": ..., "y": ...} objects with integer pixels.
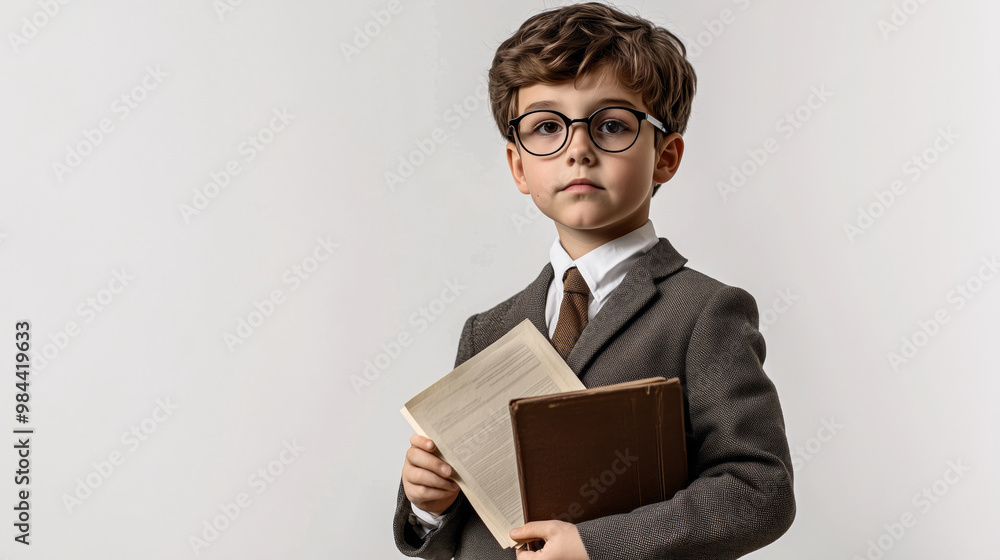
[{"x": 580, "y": 185}]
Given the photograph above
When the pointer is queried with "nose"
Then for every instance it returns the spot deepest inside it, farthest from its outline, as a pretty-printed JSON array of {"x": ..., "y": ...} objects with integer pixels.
[{"x": 579, "y": 146}]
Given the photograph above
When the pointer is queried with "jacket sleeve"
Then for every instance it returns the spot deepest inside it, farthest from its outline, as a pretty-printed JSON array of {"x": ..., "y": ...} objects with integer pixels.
[
  {"x": 439, "y": 543},
  {"x": 740, "y": 497}
]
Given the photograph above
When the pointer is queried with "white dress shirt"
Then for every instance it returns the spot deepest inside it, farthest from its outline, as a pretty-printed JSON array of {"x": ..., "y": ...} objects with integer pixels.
[{"x": 603, "y": 269}]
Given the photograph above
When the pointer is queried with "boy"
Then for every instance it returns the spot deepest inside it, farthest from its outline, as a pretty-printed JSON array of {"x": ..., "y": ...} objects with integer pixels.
[{"x": 617, "y": 302}]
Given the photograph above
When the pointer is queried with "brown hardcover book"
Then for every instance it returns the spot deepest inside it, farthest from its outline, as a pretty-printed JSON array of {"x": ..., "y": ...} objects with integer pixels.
[{"x": 600, "y": 451}]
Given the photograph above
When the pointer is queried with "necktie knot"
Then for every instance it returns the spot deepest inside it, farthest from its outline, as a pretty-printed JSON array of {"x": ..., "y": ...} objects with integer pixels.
[{"x": 573, "y": 282}]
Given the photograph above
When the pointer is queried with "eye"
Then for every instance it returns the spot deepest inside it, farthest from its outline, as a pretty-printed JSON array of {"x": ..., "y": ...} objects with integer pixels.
[
  {"x": 548, "y": 127},
  {"x": 612, "y": 126}
]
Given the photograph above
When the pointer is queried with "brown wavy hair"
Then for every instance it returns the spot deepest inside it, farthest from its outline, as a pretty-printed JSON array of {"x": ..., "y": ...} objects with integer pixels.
[{"x": 566, "y": 43}]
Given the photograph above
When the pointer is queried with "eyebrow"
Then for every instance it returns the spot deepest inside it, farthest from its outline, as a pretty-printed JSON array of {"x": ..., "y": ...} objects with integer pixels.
[{"x": 603, "y": 102}]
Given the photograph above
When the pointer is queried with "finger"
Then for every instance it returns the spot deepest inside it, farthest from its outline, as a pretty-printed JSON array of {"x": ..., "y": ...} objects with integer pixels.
[
  {"x": 420, "y": 458},
  {"x": 529, "y": 548},
  {"x": 525, "y": 554},
  {"x": 533, "y": 530},
  {"x": 424, "y": 477},
  {"x": 421, "y": 442},
  {"x": 419, "y": 493}
]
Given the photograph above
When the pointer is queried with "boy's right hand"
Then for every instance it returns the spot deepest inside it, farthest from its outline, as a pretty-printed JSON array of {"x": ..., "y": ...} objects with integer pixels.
[{"x": 426, "y": 478}]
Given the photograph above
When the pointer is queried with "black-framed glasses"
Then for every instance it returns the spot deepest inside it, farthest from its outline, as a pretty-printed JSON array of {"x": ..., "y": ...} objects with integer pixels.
[{"x": 612, "y": 129}]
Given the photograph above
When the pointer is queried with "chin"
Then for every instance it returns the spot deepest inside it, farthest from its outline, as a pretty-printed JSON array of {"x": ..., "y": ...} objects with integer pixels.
[{"x": 585, "y": 224}]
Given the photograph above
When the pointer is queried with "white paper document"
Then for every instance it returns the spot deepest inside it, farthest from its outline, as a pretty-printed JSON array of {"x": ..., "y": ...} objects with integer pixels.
[{"x": 466, "y": 414}]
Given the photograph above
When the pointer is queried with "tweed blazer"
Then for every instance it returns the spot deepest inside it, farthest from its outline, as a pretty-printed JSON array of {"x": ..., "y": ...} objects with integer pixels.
[{"x": 664, "y": 319}]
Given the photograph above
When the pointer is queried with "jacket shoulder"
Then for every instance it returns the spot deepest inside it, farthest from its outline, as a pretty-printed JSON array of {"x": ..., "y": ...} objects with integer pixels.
[
  {"x": 483, "y": 328},
  {"x": 695, "y": 286}
]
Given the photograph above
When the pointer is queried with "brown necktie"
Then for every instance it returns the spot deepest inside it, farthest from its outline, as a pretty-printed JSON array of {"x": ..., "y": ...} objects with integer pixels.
[{"x": 572, "y": 312}]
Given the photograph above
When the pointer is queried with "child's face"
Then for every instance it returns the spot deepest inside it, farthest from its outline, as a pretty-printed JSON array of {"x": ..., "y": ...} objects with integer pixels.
[{"x": 617, "y": 202}]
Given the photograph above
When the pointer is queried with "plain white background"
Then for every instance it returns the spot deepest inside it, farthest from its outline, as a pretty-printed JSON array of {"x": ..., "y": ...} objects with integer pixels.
[{"x": 362, "y": 98}]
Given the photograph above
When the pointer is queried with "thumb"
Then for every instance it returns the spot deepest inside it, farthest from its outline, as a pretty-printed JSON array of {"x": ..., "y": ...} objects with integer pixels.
[{"x": 532, "y": 530}]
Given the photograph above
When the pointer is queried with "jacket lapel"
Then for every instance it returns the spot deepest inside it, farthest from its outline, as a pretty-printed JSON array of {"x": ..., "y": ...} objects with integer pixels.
[
  {"x": 531, "y": 305},
  {"x": 636, "y": 290}
]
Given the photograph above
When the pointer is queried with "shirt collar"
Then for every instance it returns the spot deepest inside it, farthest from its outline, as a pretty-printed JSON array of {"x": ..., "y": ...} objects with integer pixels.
[{"x": 604, "y": 267}]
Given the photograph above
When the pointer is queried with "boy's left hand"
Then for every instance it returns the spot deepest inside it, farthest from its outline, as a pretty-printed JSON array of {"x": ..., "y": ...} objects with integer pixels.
[{"x": 562, "y": 541}]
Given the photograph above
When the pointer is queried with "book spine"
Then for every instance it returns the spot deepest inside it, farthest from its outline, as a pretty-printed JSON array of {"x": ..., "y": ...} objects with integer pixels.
[{"x": 520, "y": 466}]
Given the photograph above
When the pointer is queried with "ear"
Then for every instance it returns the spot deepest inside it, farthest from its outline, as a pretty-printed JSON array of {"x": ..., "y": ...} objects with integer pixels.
[
  {"x": 517, "y": 167},
  {"x": 670, "y": 151}
]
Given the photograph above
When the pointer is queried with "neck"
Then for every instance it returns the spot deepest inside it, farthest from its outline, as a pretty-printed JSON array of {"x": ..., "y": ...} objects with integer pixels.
[{"x": 579, "y": 242}]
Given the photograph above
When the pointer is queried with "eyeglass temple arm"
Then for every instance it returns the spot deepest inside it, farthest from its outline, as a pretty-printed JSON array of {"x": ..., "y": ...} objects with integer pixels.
[{"x": 659, "y": 125}]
